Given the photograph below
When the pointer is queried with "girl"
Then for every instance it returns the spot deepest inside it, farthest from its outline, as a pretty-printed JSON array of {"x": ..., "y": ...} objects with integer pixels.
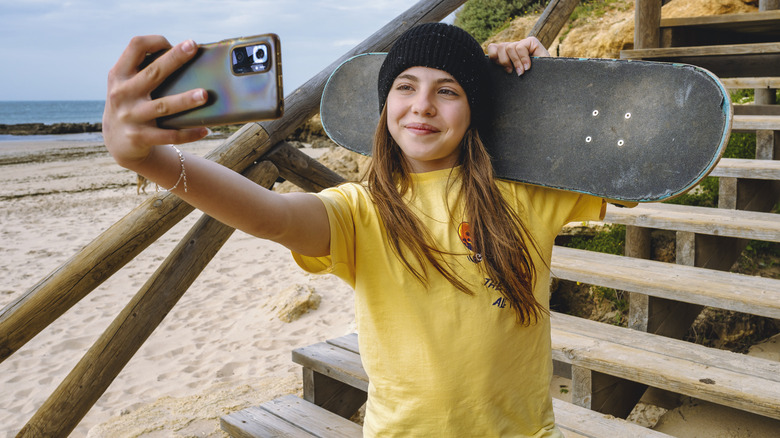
[{"x": 450, "y": 266}]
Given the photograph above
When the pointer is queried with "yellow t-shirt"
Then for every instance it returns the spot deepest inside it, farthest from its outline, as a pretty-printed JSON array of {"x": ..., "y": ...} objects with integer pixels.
[{"x": 441, "y": 362}]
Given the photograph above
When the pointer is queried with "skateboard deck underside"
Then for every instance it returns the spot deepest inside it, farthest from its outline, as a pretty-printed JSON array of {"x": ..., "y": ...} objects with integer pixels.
[{"x": 624, "y": 130}]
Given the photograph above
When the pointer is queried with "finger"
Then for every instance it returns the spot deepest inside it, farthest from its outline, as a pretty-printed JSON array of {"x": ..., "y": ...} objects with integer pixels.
[
  {"x": 165, "y": 106},
  {"x": 136, "y": 51},
  {"x": 536, "y": 48},
  {"x": 519, "y": 56},
  {"x": 179, "y": 136},
  {"x": 497, "y": 54},
  {"x": 156, "y": 72}
]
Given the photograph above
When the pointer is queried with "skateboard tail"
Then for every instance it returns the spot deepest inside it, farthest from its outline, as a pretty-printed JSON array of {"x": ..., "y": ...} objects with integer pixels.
[{"x": 728, "y": 116}]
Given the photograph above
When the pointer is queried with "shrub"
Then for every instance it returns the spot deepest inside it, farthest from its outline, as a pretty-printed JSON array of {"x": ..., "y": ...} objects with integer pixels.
[{"x": 483, "y": 18}]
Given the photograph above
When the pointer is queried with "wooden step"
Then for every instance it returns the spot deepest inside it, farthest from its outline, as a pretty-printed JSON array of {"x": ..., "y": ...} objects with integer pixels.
[
  {"x": 747, "y": 83},
  {"x": 723, "y": 290},
  {"x": 747, "y": 169},
  {"x": 739, "y": 381},
  {"x": 733, "y": 60},
  {"x": 730, "y": 379},
  {"x": 702, "y": 220},
  {"x": 756, "y": 110},
  {"x": 743, "y": 123},
  {"x": 765, "y": 22},
  {"x": 288, "y": 416},
  {"x": 574, "y": 421}
]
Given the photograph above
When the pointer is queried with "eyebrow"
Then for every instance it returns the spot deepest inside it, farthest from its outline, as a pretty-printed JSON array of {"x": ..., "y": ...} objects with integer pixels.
[{"x": 412, "y": 77}]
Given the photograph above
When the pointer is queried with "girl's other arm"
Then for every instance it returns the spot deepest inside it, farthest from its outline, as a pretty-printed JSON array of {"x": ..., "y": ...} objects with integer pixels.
[
  {"x": 516, "y": 56},
  {"x": 297, "y": 220}
]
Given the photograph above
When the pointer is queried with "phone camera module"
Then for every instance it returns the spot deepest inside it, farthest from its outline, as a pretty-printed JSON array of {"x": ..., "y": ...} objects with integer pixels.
[{"x": 251, "y": 59}]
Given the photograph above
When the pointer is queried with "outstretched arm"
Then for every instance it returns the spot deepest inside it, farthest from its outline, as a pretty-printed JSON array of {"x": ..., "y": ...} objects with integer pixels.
[
  {"x": 516, "y": 56},
  {"x": 297, "y": 220}
]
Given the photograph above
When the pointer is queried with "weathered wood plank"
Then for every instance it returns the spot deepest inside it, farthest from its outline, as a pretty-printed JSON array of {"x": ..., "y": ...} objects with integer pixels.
[
  {"x": 713, "y": 221},
  {"x": 332, "y": 361},
  {"x": 750, "y": 169},
  {"x": 552, "y": 20},
  {"x": 666, "y": 372},
  {"x": 585, "y": 422},
  {"x": 348, "y": 342},
  {"x": 256, "y": 422},
  {"x": 733, "y": 60},
  {"x": 724, "y": 290},
  {"x": 756, "y": 110},
  {"x": 724, "y": 50},
  {"x": 750, "y": 22},
  {"x": 312, "y": 418},
  {"x": 332, "y": 394},
  {"x": 745, "y": 83},
  {"x": 756, "y": 123},
  {"x": 647, "y": 19},
  {"x": 751, "y": 367}
]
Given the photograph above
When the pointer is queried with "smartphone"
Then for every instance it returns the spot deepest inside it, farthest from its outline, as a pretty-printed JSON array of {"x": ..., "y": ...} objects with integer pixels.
[{"x": 243, "y": 79}]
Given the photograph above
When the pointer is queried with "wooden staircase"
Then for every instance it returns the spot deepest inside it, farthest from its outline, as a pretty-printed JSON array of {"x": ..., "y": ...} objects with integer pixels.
[{"x": 744, "y": 50}]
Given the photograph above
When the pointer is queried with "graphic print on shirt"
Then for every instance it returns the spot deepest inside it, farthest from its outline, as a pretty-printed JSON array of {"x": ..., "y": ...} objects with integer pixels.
[{"x": 464, "y": 232}]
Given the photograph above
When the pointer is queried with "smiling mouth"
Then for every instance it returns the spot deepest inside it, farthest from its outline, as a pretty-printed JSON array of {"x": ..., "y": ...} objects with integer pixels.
[{"x": 421, "y": 128}]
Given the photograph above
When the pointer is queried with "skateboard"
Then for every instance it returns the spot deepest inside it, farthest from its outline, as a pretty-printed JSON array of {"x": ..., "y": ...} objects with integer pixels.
[{"x": 634, "y": 131}]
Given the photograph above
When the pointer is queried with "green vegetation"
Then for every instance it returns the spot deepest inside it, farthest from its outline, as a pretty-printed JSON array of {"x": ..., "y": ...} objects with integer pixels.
[
  {"x": 611, "y": 240},
  {"x": 483, "y": 18},
  {"x": 596, "y": 8}
]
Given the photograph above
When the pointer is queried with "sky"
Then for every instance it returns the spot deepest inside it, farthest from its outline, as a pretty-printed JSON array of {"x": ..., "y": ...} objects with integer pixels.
[{"x": 63, "y": 49}]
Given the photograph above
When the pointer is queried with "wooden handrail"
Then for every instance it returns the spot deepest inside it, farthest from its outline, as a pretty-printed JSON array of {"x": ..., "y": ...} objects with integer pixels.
[{"x": 26, "y": 316}]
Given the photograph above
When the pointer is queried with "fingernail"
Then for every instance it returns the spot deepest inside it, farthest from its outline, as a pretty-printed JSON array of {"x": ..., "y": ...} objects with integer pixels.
[
  {"x": 188, "y": 46},
  {"x": 199, "y": 95},
  {"x": 527, "y": 65},
  {"x": 519, "y": 71}
]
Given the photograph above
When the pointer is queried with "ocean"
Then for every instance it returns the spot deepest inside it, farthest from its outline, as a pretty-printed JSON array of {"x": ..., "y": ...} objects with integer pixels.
[{"x": 49, "y": 112}]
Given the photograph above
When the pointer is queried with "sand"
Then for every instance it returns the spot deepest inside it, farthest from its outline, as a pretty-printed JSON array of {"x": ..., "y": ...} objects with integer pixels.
[{"x": 220, "y": 349}]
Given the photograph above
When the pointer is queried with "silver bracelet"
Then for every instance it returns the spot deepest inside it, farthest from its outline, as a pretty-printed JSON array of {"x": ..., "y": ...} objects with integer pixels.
[{"x": 182, "y": 175}]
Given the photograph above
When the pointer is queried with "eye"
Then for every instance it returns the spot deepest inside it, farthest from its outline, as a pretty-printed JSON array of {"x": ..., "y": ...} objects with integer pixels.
[
  {"x": 449, "y": 92},
  {"x": 404, "y": 87}
]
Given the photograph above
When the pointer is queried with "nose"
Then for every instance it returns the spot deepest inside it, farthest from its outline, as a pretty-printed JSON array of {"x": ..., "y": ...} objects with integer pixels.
[{"x": 423, "y": 104}]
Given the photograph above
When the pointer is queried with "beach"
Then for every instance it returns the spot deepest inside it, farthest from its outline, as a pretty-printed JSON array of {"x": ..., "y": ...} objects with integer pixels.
[{"x": 223, "y": 346}]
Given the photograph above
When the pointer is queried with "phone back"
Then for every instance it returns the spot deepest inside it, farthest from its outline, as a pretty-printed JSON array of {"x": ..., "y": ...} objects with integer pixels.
[{"x": 241, "y": 89}]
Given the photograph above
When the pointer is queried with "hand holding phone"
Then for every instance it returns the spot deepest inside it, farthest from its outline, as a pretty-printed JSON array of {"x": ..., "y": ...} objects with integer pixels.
[{"x": 243, "y": 79}]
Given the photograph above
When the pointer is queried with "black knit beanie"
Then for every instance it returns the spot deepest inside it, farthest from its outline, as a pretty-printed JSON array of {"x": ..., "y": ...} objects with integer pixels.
[{"x": 443, "y": 47}]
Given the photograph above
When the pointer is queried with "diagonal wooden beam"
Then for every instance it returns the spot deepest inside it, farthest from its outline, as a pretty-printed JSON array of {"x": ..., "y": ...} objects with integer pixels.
[{"x": 552, "y": 20}]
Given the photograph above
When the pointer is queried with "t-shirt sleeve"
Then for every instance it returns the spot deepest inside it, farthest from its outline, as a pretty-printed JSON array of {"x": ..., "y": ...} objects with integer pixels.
[
  {"x": 556, "y": 208},
  {"x": 340, "y": 204}
]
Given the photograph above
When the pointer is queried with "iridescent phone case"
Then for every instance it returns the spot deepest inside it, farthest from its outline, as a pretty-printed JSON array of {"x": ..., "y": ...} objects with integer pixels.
[{"x": 243, "y": 78}]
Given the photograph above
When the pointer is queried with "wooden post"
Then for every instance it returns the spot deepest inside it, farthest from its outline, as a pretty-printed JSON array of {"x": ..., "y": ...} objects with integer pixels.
[
  {"x": 768, "y": 5},
  {"x": 89, "y": 379},
  {"x": 647, "y": 24},
  {"x": 24, "y": 318},
  {"x": 552, "y": 20}
]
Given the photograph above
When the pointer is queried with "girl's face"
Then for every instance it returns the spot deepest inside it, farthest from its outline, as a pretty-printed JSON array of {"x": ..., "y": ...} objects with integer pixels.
[{"x": 428, "y": 115}]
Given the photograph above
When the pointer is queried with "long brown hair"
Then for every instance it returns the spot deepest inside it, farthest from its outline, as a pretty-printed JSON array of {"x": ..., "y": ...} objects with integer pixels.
[{"x": 498, "y": 234}]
